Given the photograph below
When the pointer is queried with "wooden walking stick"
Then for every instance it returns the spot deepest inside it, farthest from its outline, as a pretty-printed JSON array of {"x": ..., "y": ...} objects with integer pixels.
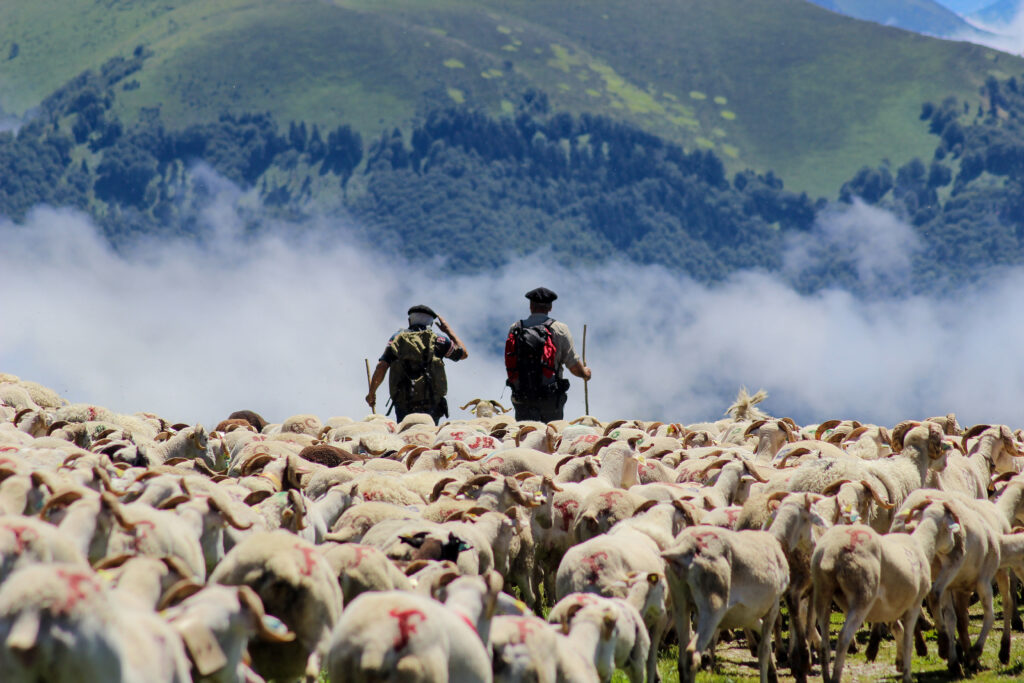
[
  {"x": 369, "y": 382},
  {"x": 586, "y": 386}
]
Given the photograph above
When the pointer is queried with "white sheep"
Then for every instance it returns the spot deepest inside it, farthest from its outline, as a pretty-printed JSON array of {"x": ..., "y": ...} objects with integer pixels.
[
  {"x": 297, "y": 585},
  {"x": 732, "y": 579},
  {"x": 398, "y": 635},
  {"x": 877, "y": 578}
]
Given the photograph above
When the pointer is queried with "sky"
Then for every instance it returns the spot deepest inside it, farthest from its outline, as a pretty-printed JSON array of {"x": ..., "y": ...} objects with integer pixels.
[{"x": 285, "y": 326}]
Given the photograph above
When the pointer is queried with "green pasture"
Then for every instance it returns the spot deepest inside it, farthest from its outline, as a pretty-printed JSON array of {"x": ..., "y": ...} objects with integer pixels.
[{"x": 785, "y": 85}]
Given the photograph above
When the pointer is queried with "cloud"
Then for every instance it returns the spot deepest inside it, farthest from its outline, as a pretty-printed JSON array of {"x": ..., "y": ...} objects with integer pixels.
[
  {"x": 282, "y": 323},
  {"x": 1006, "y": 37}
]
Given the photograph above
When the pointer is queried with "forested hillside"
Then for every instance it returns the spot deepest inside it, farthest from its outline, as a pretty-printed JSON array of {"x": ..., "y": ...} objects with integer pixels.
[
  {"x": 783, "y": 85},
  {"x": 477, "y": 189}
]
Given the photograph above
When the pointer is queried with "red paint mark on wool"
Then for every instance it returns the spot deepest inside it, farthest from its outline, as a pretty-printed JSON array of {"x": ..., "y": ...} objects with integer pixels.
[
  {"x": 361, "y": 552},
  {"x": 857, "y": 536},
  {"x": 309, "y": 554},
  {"x": 595, "y": 567},
  {"x": 524, "y": 628},
  {"x": 610, "y": 497},
  {"x": 23, "y": 535},
  {"x": 568, "y": 510},
  {"x": 406, "y": 625},
  {"x": 75, "y": 582},
  {"x": 700, "y": 539}
]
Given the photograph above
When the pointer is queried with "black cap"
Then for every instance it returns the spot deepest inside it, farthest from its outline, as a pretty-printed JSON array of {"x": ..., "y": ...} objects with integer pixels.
[
  {"x": 420, "y": 308},
  {"x": 541, "y": 295}
]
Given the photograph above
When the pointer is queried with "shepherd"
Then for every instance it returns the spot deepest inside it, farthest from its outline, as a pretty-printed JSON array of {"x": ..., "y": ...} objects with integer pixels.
[
  {"x": 414, "y": 363},
  {"x": 536, "y": 350}
]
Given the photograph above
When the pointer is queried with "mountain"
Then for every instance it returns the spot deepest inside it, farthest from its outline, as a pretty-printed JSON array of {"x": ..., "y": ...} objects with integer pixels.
[
  {"x": 965, "y": 7},
  {"x": 783, "y": 86},
  {"x": 1001, "y": 12},
  {"x": 920, "y": 16}
]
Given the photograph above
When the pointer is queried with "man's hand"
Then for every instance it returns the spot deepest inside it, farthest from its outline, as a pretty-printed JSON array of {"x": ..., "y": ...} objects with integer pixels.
[
  {"x": 371, "y": 400},
  {"x": 442, "y": 324},
  {"x": 586, "y": 373}
]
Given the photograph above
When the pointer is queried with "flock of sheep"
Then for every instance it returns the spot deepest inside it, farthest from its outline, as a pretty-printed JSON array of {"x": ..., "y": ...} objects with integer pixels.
[{"x": 132, "y": 549}]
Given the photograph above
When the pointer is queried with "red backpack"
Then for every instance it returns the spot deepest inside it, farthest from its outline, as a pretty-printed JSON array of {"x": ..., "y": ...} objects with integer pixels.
[{"x": 530, "y": 360}]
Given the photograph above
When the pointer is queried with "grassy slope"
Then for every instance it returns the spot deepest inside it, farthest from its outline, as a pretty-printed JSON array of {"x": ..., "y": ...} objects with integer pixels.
[{"x": 782, "y": 85}]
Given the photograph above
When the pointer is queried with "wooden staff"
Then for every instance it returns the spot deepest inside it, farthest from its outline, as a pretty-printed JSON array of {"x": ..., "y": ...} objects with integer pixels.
[
  {"x": 369, "y": 382},
  {"x": 586, "y": 386}
]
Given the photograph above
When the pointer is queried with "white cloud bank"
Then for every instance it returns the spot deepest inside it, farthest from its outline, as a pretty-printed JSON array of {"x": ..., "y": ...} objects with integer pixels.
[
  {"x": 194, "y": 332},
  {"x": 1006, "y": 37}
]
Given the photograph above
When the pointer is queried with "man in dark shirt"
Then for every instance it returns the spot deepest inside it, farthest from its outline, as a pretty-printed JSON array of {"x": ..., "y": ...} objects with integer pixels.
[
  {"x": 414, "y": 356},
  {"x": 547, "y": 402}
]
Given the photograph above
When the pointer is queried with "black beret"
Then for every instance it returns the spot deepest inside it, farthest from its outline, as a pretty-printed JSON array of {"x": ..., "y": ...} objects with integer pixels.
[
  {"x": 420, "y": 308},
  {"x": 541, "y": 295}
]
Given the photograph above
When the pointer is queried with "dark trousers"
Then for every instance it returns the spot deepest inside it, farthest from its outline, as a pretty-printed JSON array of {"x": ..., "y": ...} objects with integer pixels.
[
  {"x": 437, "y": 411},
  {"x": 541, "y": 409}
]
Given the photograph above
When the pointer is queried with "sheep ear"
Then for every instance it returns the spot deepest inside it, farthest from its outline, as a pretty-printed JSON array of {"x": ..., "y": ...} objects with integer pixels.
[
  {"x": 257, "y": 497},
  {"x": 447, "y": 578}
]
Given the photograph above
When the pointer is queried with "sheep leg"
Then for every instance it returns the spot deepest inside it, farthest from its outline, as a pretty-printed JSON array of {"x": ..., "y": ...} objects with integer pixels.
[
  {"x": 920, "y": 647},
  {"x": 682, "y": 624},
  {"x": 877, "y": 631},
  {"x": 946, "y": 614},
  {"x": 800, "y": 658},
  {"x": 854, "y": 618},
  {"x": 657, "y": 635},
  {"x": 985, "y": 593},
  {"x": 764, "y": 648},
  {"x": 710, "y": 611},
  {"x": 907, "y": 627},
  {"x": 1015, "y": 586},
  {"x": 821, "y": 600},
  {"x": 1009, "y": 612}
]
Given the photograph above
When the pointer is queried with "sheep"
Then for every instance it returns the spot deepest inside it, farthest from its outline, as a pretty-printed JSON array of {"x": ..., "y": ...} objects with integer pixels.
[
  {"x": 878, "y": 578},
  {"x": 733, "y": 579},
  {"x": 297, "y": 585},
  {"x": 216, "y": 623},
  {"x": 633, "y": 642},
  {"x": 60, "y": 623},
  {"x": 953, "y": 584},
  {"x": 993, "y": 452},
  {"x": 353, "y": 524},
  {"x": 26, "y": 541},
  {"x": 362, "y": 568},
  {"x": 921, "y": 451},
  {"x": 397, "y": 635},
  {"x": 600, "y": 564}
]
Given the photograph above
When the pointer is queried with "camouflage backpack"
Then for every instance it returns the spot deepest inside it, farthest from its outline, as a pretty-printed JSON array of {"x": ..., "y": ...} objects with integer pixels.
[{"x": 416, "y": 379}]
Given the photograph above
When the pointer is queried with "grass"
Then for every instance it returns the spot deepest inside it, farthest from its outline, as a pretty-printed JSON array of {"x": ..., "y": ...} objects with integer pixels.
[
  {"x": 735, "y": 663},
  {"x": 810, "y": 94}
]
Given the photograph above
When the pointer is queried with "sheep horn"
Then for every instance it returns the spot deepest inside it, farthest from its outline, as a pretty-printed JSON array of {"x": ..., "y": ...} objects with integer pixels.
[
  {"x": 471, "y": 403},
  {"x": 59, "y": 424},
  {"x": 523, "y": 431},
  {"x": 971, "y": 433},
  {"x": 754, "y": 471},
  {"x": 182, "y": 590},
  {"x": 65, "y": 498},
  {"x": 475, "y": 482},
  {"x": 601, "y": 443},
  {"x": 644, "y": 507},
  {"x": 753, "y": 426},
  {"x": 225, "y": 512},
  {"x": 257, "y": 497},
  {"x": 835, "y": 486},
  {"x": 613, "y": 425},
  {"x": 900, "y": 431},
  {"x": 721, "y": 462},
  {"x": 299, "y": 509},
  {"x": 110, "y": 501},
  {"x": 113, "y": 562},
  {"x": 248, "y": 597},
  {"x": 777, "y": 495},
  {"x": 435, "y": 492},
  {"x": 882, "y": 502},
  {"x": 173, "y": 502},
  {"x": 517, "y": 493},
  {"x": 825, "y": 426},
  {"x": 255, "y": 462}
]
